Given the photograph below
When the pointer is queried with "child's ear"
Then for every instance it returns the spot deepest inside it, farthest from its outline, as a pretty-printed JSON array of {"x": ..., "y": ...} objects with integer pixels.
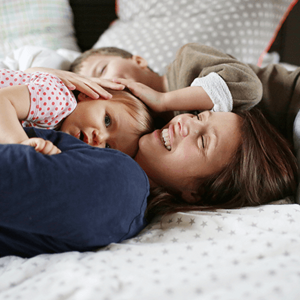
[{"x": 142, "y": 62}]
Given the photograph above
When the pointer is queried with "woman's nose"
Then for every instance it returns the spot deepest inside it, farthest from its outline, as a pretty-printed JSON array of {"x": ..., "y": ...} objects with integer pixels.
[{"x": 196, "y": 126}]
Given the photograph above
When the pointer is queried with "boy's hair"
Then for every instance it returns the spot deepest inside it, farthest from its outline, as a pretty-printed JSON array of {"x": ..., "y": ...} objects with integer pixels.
[
  {"x": 263, "y": 169},
  {"x": 139, "y": 112},
  {"x": 113, "y": 51}
]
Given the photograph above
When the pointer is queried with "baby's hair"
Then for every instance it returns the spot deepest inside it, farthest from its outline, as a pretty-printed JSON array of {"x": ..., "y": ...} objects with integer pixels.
[
  {"x": 263, "y": 169},
  {"x": 139, "y": 112},
  {"x": 109, "y": 51}
]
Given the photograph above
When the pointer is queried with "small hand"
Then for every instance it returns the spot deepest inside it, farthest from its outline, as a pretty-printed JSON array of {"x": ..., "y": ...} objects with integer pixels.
[
  {"x": 153, "y": 99},
  {"x": 91, "y": 86},
  {"x": 42, "y": 146}
]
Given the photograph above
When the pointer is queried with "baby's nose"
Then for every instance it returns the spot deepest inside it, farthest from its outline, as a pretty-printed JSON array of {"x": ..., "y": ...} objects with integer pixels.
[{"x": 99, "y": 139}]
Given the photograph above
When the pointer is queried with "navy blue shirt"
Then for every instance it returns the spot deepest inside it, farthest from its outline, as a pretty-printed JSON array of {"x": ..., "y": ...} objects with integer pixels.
[{"x": 81, "y": 199}]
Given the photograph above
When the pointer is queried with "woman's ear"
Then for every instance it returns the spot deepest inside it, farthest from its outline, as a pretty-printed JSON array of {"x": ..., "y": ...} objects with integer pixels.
[
  {"x": 142, "y": 62},
  {"x": 191, "y": 197}
]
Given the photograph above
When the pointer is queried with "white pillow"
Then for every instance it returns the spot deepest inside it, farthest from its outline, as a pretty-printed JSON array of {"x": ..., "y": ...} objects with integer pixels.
[
  {"x": 46, "y": 23},
  {"x": 156, "y": 29}
]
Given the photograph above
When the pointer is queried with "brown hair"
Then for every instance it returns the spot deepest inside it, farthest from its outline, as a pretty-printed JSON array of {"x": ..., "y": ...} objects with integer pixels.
[
  {"x": 77, "y": 63},
  {"x": 262, "y": 170}
]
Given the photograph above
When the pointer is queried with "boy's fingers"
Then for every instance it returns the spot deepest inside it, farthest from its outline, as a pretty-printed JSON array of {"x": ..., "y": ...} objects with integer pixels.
[
  {"x": 83, "y": 88},
  {"x": 93, "y": 91},
  {"x": 69, "y": 85}
]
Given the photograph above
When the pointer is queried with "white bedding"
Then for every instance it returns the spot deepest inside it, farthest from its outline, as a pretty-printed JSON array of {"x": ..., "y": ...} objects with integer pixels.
[
  {"x": 249, "y": 253},
  {"x": 34, "y": 56}
]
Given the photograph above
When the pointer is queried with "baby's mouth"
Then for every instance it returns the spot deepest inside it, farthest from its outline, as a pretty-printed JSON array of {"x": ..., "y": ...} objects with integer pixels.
[
  {"x": 81, "y": 136},
  {"x": 166, "y": 139}
]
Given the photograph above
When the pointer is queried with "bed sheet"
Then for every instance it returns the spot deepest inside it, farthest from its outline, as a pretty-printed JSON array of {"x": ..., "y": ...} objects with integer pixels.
[{"x": 249, "y": 253}]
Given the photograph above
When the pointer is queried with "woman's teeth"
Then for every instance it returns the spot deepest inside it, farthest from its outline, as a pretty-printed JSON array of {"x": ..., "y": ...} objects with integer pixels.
[{"x": 166, "y": 139}]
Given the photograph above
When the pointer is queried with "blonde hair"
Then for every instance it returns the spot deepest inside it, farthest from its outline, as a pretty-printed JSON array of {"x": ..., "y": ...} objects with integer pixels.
[{"x": 138, "y": 111}]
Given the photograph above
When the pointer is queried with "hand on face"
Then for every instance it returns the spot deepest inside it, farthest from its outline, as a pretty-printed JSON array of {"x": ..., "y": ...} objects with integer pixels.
[
  {"x": 91, "y": 87},
  {"x": 153, "y": 99}
]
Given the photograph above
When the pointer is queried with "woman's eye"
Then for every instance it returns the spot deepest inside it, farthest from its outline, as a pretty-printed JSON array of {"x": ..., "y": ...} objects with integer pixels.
[
  {"x": 198, "y": 117},
  {"x": 107, "y": 146},
  {"x": 107, "y": 121}
]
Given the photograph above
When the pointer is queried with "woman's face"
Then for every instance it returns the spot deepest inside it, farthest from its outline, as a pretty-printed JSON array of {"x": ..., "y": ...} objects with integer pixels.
[{"x": 189, "y": 147}]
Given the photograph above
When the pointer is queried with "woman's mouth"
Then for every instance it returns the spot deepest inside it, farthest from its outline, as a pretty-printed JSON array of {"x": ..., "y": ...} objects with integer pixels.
[{"x": 166, "y": 138}]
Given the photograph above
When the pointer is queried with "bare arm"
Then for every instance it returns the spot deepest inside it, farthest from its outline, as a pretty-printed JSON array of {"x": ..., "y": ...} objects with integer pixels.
[
  {"x": 14, "y": 107},
  {"x": 189, "y": 98}
]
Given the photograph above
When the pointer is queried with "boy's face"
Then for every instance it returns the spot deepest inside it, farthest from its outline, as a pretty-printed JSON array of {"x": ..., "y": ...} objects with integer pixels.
[
  {"x": 109, "y": 67},
  {"x": 103, "y": 124}
]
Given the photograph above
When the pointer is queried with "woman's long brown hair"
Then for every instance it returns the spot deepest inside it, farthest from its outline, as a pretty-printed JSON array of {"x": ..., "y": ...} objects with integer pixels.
[{"x": 262, "y": 170}]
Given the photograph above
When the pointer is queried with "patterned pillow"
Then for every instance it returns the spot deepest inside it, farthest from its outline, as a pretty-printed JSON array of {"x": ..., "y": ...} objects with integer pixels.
[
  {"x": 156, "y": 29},
  {"x": 46, "y": 23}
]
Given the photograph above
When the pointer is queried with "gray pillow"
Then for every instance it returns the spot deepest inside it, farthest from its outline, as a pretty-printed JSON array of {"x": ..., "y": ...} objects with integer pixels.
[{"x": 156, "y": 29}]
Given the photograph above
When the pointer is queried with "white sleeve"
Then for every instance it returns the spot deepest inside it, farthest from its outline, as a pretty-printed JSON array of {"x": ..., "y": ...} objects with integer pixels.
[
  {"x": 217, "y": 90},
  {"x": 32, "y": 56}
]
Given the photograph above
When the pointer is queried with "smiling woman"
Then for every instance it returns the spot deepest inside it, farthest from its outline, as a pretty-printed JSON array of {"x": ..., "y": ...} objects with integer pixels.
[
  {"x": 199, "y": 147},
  {"x": 216, "y": 160}
]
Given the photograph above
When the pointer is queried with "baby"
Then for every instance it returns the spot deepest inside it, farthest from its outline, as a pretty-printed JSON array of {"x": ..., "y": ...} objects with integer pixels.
[{"x": 42, "y": 100}]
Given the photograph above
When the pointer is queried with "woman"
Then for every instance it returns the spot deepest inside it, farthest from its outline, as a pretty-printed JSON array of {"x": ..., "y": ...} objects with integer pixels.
[
  {"x": 216, "y": 160},
  {"x": 279, "y": 103}
]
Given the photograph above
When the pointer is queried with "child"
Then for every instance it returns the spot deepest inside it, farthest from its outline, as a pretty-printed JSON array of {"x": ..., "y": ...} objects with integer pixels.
[
  {"x": 42, "y": 100},
  {"x": 200, "y": 78}
]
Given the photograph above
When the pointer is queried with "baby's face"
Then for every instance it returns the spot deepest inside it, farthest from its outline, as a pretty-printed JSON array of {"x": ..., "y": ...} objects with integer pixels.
[
  {"x": 109, "y": 67},
  {"x": 103, "y": 124}
]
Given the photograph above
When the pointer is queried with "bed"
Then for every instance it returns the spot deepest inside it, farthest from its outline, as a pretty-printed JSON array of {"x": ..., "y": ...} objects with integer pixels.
[{"x": 248, "y": 253}]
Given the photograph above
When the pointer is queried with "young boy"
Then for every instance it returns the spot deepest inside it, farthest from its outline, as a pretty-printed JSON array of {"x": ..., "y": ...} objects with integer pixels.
[
  {"x": 200, "y": 78},
  {"x": 42, "y": 100}
]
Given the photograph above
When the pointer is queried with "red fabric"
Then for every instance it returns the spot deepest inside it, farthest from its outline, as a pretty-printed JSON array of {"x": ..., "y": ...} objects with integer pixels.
[{"x": 291, "y": 6}]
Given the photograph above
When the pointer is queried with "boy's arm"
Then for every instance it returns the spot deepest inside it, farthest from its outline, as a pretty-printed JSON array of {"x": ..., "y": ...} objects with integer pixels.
[
  {"x": 195, "y": 61},
  {"x": 189, "y": 98},
  {"x": 14, "y": 106},
  {"x": 92, "y": 87}
]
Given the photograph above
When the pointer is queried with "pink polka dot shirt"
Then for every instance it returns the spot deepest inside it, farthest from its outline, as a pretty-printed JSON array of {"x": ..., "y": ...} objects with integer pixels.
[{"x": 50, "y": 100}]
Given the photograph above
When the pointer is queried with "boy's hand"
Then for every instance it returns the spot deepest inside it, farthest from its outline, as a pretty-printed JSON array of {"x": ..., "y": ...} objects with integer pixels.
[
  {"x": 153, "y": 99},
  {"x": 90, "y": 86},
  {"x": 42, "y": 146}
]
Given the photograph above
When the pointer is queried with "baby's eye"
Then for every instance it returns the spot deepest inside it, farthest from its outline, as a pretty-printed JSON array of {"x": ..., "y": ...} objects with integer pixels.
[
  {"x": 107, "y": 120},
  {"x": 107, "y": 146}
]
